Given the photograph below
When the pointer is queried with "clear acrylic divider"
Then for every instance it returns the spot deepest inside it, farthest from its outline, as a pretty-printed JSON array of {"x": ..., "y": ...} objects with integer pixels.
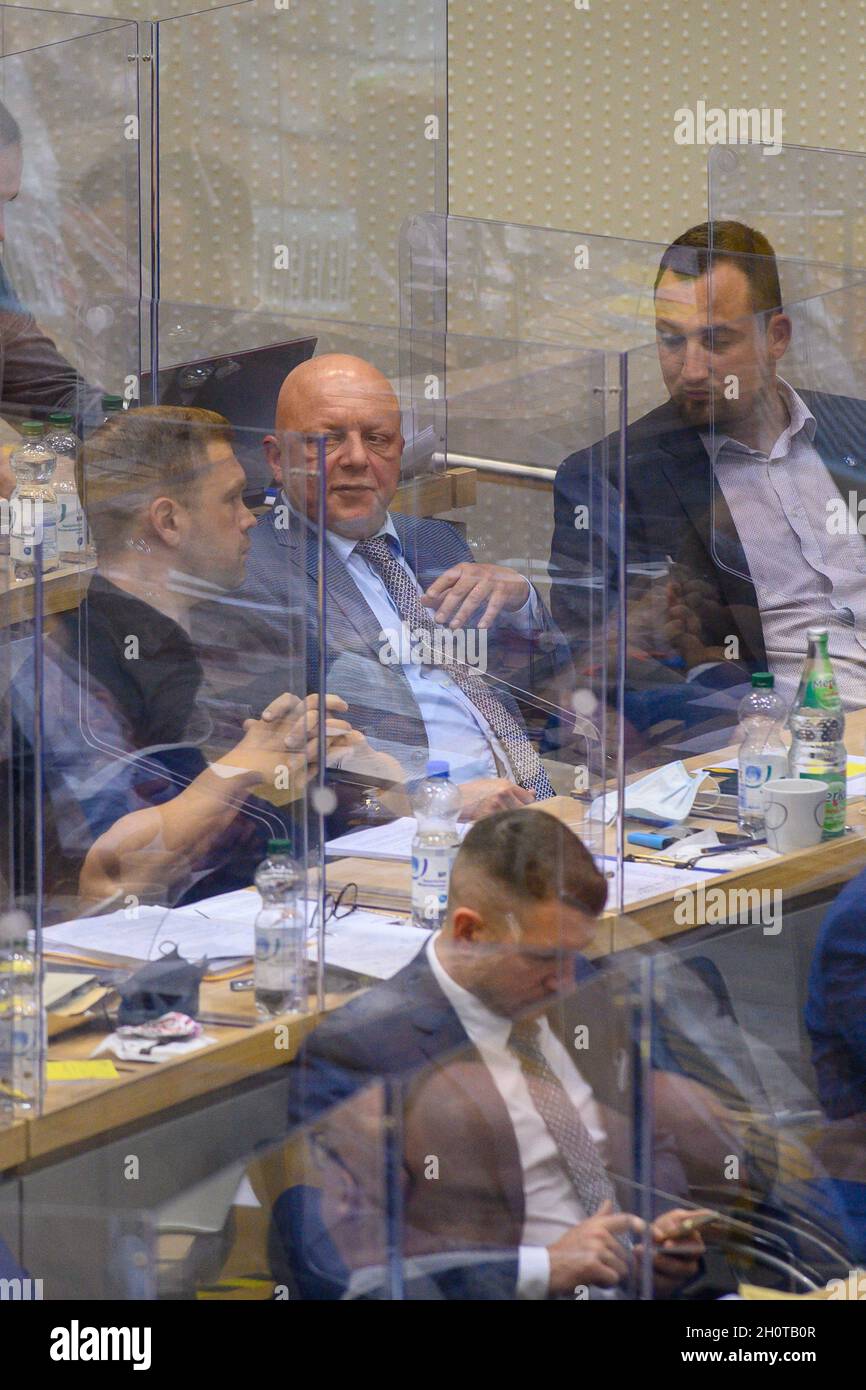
[
  {"x": 316, "y": 187},
  {"x": 808, "y": 202},
  {"x": 72, "y": 240}
]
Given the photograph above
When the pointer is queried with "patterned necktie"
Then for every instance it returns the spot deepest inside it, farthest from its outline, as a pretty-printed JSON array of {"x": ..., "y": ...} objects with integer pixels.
[
  {"x": 580, "y": 1157},
  {"x": 525, "y": 762}
]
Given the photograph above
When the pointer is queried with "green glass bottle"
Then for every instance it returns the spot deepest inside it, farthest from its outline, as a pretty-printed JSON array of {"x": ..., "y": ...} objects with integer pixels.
[{"x": 817, "y": 724}]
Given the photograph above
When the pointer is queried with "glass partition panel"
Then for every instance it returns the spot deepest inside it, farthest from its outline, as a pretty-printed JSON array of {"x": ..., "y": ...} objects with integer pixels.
[
  {"x": 754, "y": 1056},
  {"x": 808, "y": 202},
  {"x": 485, "y": 1114},
  {"x": 311, "y": 181},
  {"x": 468, "y": 275},
  {"x": 72, "y": 238},
  {"x": 162, "y": 784},
  {"x": 462, "y": 662},
  {"x": 70, "y": 1250}
]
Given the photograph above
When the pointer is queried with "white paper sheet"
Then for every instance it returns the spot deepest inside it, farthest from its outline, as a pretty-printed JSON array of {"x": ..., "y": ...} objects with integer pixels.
[
  {"x": 391, "y": 841},
  {"x": 221, "y": 928},
  {"x": 647, "y": 880}
]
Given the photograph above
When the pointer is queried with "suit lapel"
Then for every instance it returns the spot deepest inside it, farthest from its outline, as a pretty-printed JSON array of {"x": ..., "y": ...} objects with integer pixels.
[
  {"x": 340, "y": 587},
  {"x": 687, "y": 467},
  {"x": 839, "y": 440},
  {"x": 442, "y": 1038}
]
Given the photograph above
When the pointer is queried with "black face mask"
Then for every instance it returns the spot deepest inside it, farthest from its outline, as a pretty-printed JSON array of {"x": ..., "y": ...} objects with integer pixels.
[{"x": 164, "y": 986}]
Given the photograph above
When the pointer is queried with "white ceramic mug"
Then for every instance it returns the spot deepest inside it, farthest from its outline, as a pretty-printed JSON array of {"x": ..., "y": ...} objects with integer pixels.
[{"x": 793, "y": 810}]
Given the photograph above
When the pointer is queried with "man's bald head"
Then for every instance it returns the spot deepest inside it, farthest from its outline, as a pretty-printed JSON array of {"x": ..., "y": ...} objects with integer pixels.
[
  {"x": 336, "y": 376},
  {"x": 352, "y": 406}
]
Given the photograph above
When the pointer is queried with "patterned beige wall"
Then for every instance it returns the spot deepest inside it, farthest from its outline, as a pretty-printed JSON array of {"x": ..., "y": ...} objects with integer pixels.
[
  {"x": 280, "y": 113},
  {"x": 564, "y": 117}
]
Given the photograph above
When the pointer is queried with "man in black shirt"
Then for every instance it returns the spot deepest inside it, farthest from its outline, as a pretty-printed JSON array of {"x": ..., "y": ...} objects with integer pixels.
[{"x": 147, "y": 778}]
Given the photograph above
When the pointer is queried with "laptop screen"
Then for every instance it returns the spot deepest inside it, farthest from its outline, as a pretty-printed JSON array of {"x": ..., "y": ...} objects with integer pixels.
[{"x": 242, "y": 386}]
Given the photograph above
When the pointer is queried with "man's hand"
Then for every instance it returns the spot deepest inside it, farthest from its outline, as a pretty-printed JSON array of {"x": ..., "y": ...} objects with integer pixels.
[
  {"x": 678, "y": 1251},
  {"x": 464, "y": 588},
  {"x": 693, "y": 610},
  {"x": 485, "y": 795},
  {"x": 7, "y": 477},
  {"x": 590, "y": 1253},
  {"x": 285, "y": 740},
  {"x": 361, "y": 758}
]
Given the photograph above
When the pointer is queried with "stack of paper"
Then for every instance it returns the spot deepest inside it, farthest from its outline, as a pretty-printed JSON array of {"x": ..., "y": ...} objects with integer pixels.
[{"x": 222, "y": 929}]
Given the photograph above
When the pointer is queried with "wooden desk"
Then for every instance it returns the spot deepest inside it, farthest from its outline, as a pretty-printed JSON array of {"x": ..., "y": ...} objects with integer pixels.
[
  {"x": 825, "y": 866},
  {"x": 78, "y": 1114},
  {"x": 62, "y": 589}
]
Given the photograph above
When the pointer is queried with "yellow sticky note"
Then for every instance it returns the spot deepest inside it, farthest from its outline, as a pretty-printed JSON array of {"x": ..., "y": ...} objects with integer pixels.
[{"x": 102, "y": 1069}]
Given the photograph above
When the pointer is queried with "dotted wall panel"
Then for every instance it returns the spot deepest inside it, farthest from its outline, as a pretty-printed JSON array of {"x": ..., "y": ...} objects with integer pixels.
[
  {"x": 313, "y": 117},
  {"x": 566, "y": 117},
  {"x": 294, "y": 135}
]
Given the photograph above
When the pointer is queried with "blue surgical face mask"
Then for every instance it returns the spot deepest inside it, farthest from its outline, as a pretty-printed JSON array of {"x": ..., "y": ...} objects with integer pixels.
[{"x": 664, "y": 795}]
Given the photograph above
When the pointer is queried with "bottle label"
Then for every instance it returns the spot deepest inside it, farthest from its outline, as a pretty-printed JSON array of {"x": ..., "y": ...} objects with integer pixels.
[
  {"x": 30, "y": 522},
  {"x": 836, "y": 805},
  {"x": 822, "y": 692},
  {"x": 70, "y": 526},
  {"x": 753, "y": 775},
  {"x": 280, "y": 958},
  {"x": 431, "y": 872}
]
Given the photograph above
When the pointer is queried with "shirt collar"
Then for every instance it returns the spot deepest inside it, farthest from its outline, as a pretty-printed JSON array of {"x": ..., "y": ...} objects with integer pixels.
[
  {"x": 481, "y": 1023},
  {"x": 344, "y": 545},
  {"x": 801, "y": 418}
]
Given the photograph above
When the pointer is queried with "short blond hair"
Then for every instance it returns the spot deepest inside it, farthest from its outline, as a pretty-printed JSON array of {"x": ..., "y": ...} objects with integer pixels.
[{"x": 138, "y": 455}]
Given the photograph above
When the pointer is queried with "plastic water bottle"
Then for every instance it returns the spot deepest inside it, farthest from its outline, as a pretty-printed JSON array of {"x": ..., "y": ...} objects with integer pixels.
[
  {"x": 33, "y": 507},
  {"x": 22, "y": 1043},
  {"x": 436, "y": 804},
  {"x": 281, "y": 936},
  {"x": 818, "y": 725},
  {"x": 762, "y": 753},
  {"x": 61, "y": 439}
]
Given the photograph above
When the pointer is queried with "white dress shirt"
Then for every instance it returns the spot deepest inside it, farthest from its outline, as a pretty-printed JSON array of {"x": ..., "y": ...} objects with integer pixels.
[
  {"x": 457, "y": 732},
  {"x": 803, "y": 575},
  {"x": 552, "y": 1206}
]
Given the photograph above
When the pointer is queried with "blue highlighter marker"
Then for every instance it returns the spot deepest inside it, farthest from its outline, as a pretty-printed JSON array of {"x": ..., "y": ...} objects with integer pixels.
[{"x": 647, "y": 840}]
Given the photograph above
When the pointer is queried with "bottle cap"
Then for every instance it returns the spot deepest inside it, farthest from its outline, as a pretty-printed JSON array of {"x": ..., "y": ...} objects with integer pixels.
[
  {"x": 816, "y": 634},
  {"x": 437, "y": 767},
  {"x": 60, "y": 417},
  {"x": 32, "y": 427},
  {"x": 763, "y": 680},
  {"x": 280, "y": 847},
  {"x": 110, "y": 403}
]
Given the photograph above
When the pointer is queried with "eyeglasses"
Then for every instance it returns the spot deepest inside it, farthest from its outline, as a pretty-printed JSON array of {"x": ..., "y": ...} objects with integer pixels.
[{"x": 337, "y": 907}]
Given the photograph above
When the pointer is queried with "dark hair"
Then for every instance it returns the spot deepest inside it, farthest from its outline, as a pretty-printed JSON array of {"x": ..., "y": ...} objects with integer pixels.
[
  {"x": 136, "y": 455},
  {"x": 10, "y": 130},
  {"x": 534, "y": 855},
  {"x": 742, "y": 246}
]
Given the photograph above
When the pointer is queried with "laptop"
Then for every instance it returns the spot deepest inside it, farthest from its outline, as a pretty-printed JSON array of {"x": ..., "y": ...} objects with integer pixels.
[{"x": 242, "y": 386}]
